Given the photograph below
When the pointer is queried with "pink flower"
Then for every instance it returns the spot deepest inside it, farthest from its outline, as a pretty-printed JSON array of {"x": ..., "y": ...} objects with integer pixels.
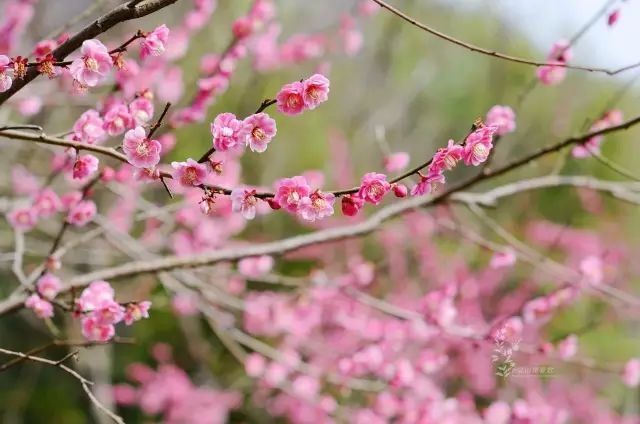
[
  {"x": 396, "y": 161},
  {"x": 242, "y": 27},
  {"x": 228, "y": 132},
  {"x": 315, "y": 91},
  {"x": 48, "y": 286},
  {"x": 400, "y": 190},
  {"x": 141, "y": 151},
  {"x": 47, "y": 203},
  {"x": 117, "y": 119},
  {"x": 478, "y": 146},
  {"x": 503, "y": 259},
  {"x": 29, "y": 106},
  {"x": 94, "y": 331},
  {"x": 141, "y": 109},
  {"x": 5, "y": 79},
  {"x": 373, "y": 187},
  {"x": 631, "y": 373},
  {"x": 591, "y": 270},
  {"x": 536, "y": 310},
  {"x": 89, "y": 127},
  {"x": 290, "y": 99},
  {"x": 351, "y": 205},
  {"x": 84, "y": 167},
  {"x": 255, "y": 365},
  {"x": 255, "y": 267},
  {"x": 82, "y": 213},
  {"x": 94, "y": 64},
  {"x": 502, "y": 117},
  {"x": 154, "y": 43},
  {"x": 261, "y": 129},
  {"x": 428, "y": 184},
  {"x": 42, "y": 308},
  {"x": 559, "y": 55},
  {"x": 613, "y": 17},
  {"x": 70, "y": 199},
  {"x": 498, "y": 412},
  {"x": 23, "y": 219},
  {"x": 446, "y": 158},
  {"x": 318, "y": 205},
  {"x": 136, "y": 311},
  {"x": 568, "y": 347},
  {"x": 189, "y": 173},
  {"x": 184, "y": 305},
  {"x": 244, "y": 201},
  {"x": 290, "y": 191}
]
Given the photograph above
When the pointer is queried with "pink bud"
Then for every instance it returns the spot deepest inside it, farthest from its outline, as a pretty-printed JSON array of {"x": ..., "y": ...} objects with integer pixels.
[
  {"x": 351, "y": 205},
  {"x": 400, "y": 190},
  {"x": 613, "y": 17}
]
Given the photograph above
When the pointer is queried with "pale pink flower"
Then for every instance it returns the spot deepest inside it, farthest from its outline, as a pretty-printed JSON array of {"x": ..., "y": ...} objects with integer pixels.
[
  {"x": 373, "y": 187},
  {"x": 23, "y": 219},
  {"x": 255, "y": 365},
  {"x": 136, "y": 311},
  {"x": 189, "y": 173},
  {"x": 141, "y": 109},
  {"x": 93, "y": 65},
  {"x": 502, "y": 117},
  {"x": 5, "y": 79},
  {"x": 317, "y": 205},
  {"x": 478, "y": 145},
  {"x": 446, "y": 158},
  {"x": 368, "y": 7},
  {"x": 93, "y": 330},
  {"x": 591, "y": 269},
  {"x": 42, "y": 308},
  {"x": 503, "y": 259},
  {"x": 29, "y": 106},
  {"x": 228, "y": 132},
  {"x": 290, "y": 191},
  {"x": 568, "y": 347},
  {"x": 89, "y": 127},
  {"x": 84, "y": 167},
  {"x": 631, "y": 373},
  {"x": 141, "y": 151},
  {"x": 47, "y": 203},
  {"x": 82, "y": 213},
  {"x": 536, "y": 310},
  {"x": 48, "y": 286},
  {"x": 261, "y": 128},
  {"x": 256, "y": 267},
  {"x": 428, "y": 184},
  {"x": 154, "y": 43},
  {"x": 70, "y": 199},
  {"x": 559, "y": 55},
  {"x": 23, "y": 181},
  {"x": 498, "y": 412},
  {"x": 551, "y": 75},
  {"x": 244, "y": 201},
  {"x": 290, "y": 99},
  {"x": 184, "y": 304},
  {"x": 315, "y": 91},
  {"x": 117, "y": 119},
  {"x": 396, "y": 161},
  {"x": 351, "y": 205}
]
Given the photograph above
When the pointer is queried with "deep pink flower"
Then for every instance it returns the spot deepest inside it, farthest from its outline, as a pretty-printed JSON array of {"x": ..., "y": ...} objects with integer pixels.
[
  {"x": 261, "y": 128},
  {"x": 428, "y": 184},
  {"x": 351, "y": 204},
  {"x": 317, "y": 205},
  {"x": 140, "y": 150},
  {"x": 47, "y": 203},
  {"x": 400, "y": 190},
  {"x": 154, "y": 43},
  {"x": 48, "y": 286},
  {"x": 189, "y": 173},
  {"x": 446, "y": 158},
  {"x": 89, "y": 127},
  {"x": 228, "y": 132},
  {"x": 290, "y": 99},
  {"x": 117, "y": 119},
  {"x": 396, "y": 161},
  {"x": 84, "y": 167},
  {"x": 613, "y": 17},
  {"x": 290, "y": 191},
  {"x": 478, "y": 146},
  {"x": 502, "y": 117},
  {"x": 42, "y": 308},
  {"x": 23, "y": 219},
  {"x": 5, "y": 78},
  {"x": 373, "y": 187},
  {"x": 141, "y": 109},
  {"x": 242, "y": 27},
  {"x": 631, "y": 373},
  {"x": 315, "y": 91},
  {"x": 244, "y": 201},
  {"x": 93, "y": 65},
  {"x": 136, "y": 311},
  {"x": 82, "y": 213}
]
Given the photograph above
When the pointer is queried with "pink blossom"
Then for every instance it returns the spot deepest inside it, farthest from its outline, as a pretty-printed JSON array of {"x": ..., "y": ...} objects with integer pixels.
[
  {"x": 82, "y": 213},
  {"x": 255, "y": 267},
  {"x": 351, "y": 205},
  {"x": 503, "y": 259},
  {"x": 400, "y": 190},
  {"x": 373, "y": 187},
  {"x": 141, "y": 151},
  {"x": 244, "y": 201},
  {"x": 315, "y": 91},
  {"x": 478, "y": 145},
  {"x": 29, "y": 106},
  {"x": 47, "y": 203},
  {"x": 23, "y": 219},
  {"x": 228, "y": 132},
  {"x": 396, "y": 161},
  {"x": 154, "y": 43},
  {"x": 255, "y": 365},
  {"x": 317, "y": 205},
  {"x": 428, "y": 184},
  {"x": 536, "y": 310},
  {"x": 290, "y": 191},
  {"x": 48, "y": 286},
  {"x": 189, "y": 173},
  {"x": 5, "y": 79},
  {"x": 568, "y": 347},
  {"x": 93, "y": 330},
  {"x": 89, "y": 127},
  {"x": 631, "y": 373},
  {"x": 560, "y": 54},
  {"x": 70, "y": 199},
  {"x": 93, "y": 65},
  {"x": 498, "y": 412},
  {"x": 290, "y": 100},
  {"x": 502, "y": 117},
  {"x": 260, "y": 130},
  {"x": 141, "y": 109},
  {"x": 42, "y": 308},
  {"x": 117, "y": 119},
  {"x": 185, "y": 305},
  {"x": 23, "y": 181},
  {"x": 591, "y": 269},
  {"x": 446, "y": 158},
  {"x": 613, "y": 17},
  {"x": 242, "y": 27},
  {"x": 84, "y": 167},
  {"x": 136, "y": 311},
  {"x": 551, "y": 75}
]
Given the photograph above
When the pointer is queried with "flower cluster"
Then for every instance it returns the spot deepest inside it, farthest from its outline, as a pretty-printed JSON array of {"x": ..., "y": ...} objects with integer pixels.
[{"x": 298, "y": 96}]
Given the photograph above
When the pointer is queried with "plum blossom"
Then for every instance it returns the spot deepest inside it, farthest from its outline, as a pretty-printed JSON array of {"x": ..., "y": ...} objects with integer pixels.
[
  {"x": 84, "y": 167},
  {"x": 291, "y": 191},
  {"x": 568, "y": 347},
  {"x": 315, "y": 91},
  {"x": 478, "y": 145},
  {"x": 154, "y": 43},
  {"x": 591, "y": 269},
  {"x": 136, "y": 311},
  {"x": 89, "y": 127},
  {"x": 396, "y": 161},
  {"x": 317, "y": 205},
  {"x": 141, "y": 151},
  {"x": 41, "y": 307},
  {"x": 99, "y": 311},
  {"x": 446, "y": 158},
  {"x": 502, "y": 117},
  {"x": 47, "y": 203},
  {"x": 189, "y": 173},
  {"x": 503, "y": 259},
  {"x": 23, "y": 218},
  {"x": 5, "y": 79},
  {"x": 428, "y": 184},
  {"x": 560, "y": 54},
  {"x": 94, "y": 64},
  {"x": 290, "y": 99},
  {"x": 255, "y": 365},
  {"x": 631, "y": 373},
  {"x": 260, "y": 131},
  {"x": 228, "y": 132},
  {"x": 48, "y": 286},
  {"x": 141, "y": 109},
  {"x": 117, "y": 119},
  {"x": 373, "y": 187},
  {"x": 536, "y": 310},
  {"x": 244, "y": 201},
  {"x": 256, "y": 267},
  {"x": 351, "y": 204},
  {"x": 82, "y": 213}
]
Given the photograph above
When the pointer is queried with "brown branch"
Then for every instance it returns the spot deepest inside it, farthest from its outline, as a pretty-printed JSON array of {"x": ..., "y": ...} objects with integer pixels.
[{"x": 155, "y": 127}]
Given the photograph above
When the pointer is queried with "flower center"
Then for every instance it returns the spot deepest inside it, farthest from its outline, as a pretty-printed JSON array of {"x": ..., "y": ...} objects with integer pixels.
[
  {"x": 190, "y": 175},
  {"x": 142, "y": 148},
  {"x": 450, "y": 162},
  {"x": 293, "y": 101},
  {"x": 294, "y": 197},
  {"x": 226, "y": 131},
  {"x": 480, "y": 150},
  {"x": 258, "y": 133},
  {"x": 118, "y": 122},
  {"x": 314, "y": 93},
  {"x": 91, "y": 64}
]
